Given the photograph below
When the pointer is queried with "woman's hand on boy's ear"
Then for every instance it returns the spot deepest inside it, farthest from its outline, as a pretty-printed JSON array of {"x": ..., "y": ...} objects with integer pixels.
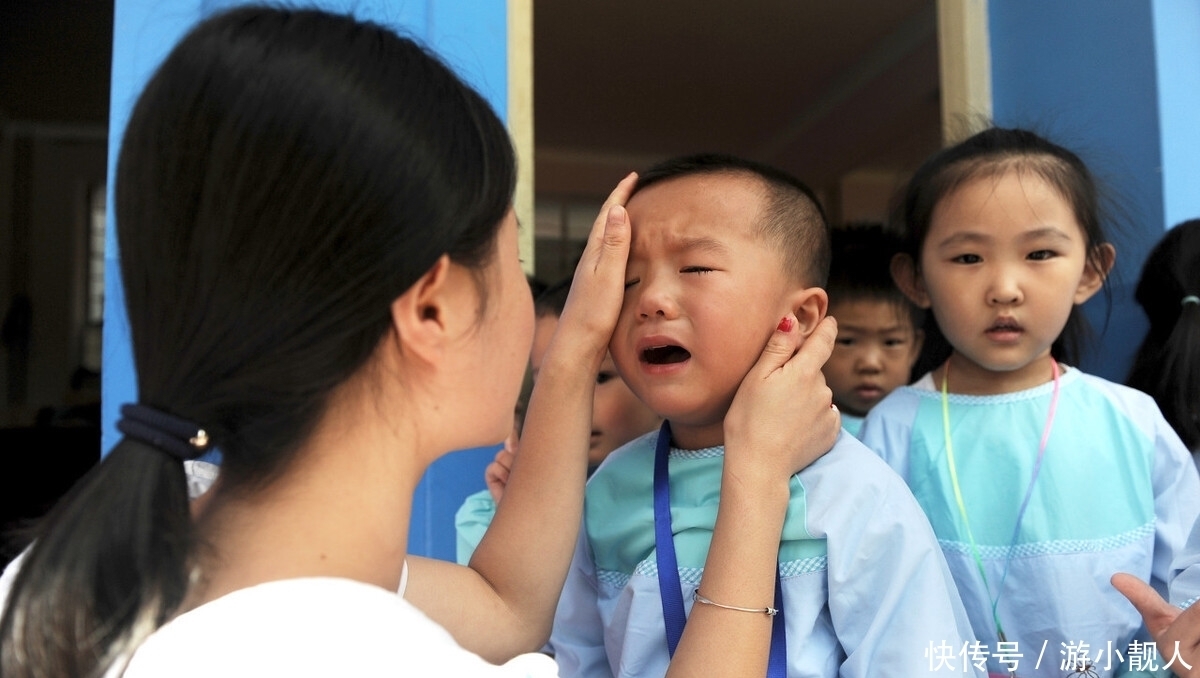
[
  {"x": 598, "y": 288},
  {"x": 782, "y": 418}
]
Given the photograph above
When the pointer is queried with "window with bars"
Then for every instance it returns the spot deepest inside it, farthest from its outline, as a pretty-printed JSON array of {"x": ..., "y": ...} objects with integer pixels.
[{"x": 94, "y": 305}]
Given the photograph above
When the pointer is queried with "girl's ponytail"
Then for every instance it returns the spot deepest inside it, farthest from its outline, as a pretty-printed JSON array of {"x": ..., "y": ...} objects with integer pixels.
[
  {"x": 1167, "y": 365},
  {"x": 1181, "y": 374},
  {"x": 108, "y": 566}
]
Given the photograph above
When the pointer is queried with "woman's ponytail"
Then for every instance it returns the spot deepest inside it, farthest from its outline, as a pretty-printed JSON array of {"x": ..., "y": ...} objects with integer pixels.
[{"x": 108, "y": 566}]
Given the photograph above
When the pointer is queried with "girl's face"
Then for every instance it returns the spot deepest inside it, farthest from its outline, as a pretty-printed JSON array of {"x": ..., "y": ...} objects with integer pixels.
[{"x": 1002, "y": 265}]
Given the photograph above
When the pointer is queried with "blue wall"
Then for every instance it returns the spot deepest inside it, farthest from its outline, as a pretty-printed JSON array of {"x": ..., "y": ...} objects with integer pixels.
[
  {"x": 1177, "y": 45},
  {"x": 471, "y": 35}
]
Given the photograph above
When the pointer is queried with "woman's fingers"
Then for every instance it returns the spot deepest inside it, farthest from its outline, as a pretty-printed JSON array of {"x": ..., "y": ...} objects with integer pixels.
[
  {"x": 597, "y": 290},
  {"x": 780, "y": 420},
  {"x": 603, "y": 238},
  {"x": 819, "y": 345},
  {"x": 780, "y": 348}
]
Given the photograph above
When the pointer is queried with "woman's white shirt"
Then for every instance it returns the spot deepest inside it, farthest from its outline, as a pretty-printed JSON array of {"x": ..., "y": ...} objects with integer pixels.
[
  {"x": 304, "y": 627},
  {"x": 314, "y": 627}
]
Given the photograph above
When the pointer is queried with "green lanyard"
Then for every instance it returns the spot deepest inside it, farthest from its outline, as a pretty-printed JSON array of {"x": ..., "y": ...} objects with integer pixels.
[{"x": 962, "y": 507}]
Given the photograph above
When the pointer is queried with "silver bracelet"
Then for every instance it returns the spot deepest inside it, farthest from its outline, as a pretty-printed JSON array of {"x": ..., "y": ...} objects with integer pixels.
[{"x": 769, "y": 611}]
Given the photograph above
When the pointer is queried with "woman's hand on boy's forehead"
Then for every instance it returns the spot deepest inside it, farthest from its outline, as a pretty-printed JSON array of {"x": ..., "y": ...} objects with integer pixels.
[{"x": 597, "y": 289}]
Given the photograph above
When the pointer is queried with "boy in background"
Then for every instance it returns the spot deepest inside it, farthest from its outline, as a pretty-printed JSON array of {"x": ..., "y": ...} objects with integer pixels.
[
  {"x": 722, "y": 248},
  {"x": 879, "y": 329},
  {"x": 617, "y": 417}
]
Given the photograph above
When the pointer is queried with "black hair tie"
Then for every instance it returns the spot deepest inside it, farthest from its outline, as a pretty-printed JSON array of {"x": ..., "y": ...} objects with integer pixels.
[{"x": 178, "y": 437}]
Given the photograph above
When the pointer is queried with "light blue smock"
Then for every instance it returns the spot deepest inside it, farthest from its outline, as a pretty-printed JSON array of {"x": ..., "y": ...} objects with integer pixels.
[
  {"x": 1185, "y": 582},
  {"x": 852, "y": 423},
  {"x": 471, "y": 520},
  {"x": 1117, "y": 492},
  {"x": 866, "y": 591}
]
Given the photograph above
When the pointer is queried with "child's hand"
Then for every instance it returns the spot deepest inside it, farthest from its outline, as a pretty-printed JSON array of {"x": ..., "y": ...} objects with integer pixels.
[
  {"x": 782, "y": 418},
  {"x": 1170, "y": 627},
  {"x": 590, "y": 314},
  {"x": 496, "y": 473}
]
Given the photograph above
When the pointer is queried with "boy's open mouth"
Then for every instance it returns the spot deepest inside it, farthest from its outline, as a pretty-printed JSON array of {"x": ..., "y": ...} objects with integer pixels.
[{"x": 665, "y": 355}]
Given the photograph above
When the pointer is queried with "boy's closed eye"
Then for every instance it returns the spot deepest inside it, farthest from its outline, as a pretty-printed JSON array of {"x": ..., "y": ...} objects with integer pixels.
[
  {"x": 696, "y": 269},
  {"x": 845, "y": 341}
]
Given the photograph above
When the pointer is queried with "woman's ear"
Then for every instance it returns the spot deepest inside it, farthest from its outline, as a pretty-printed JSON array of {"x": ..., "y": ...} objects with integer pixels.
[
  {"x": 810, "y": 305},
  {"x": 1095, "y": 271},
  {"x": 908, "y": 279},
  {"x": 419, "y": 316}
]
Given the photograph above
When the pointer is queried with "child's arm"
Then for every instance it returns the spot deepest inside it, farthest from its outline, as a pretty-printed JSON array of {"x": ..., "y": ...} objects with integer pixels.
[
  {"x": 779, "y": 423},
  {"x": 578, "y": 639},
  {"x": 1185, "y": 569},
  {"x": 471, "y": 522},
  {"x": 1176, "y": 507},
  {"x": 504, "y": 602},
  {"x": 894, "y": 605}
]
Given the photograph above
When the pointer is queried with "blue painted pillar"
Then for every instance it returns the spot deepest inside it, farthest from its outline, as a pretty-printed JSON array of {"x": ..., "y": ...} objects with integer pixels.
[
  {"x": 1117, "y": 82},
  {"x": 470, "y": 35}
]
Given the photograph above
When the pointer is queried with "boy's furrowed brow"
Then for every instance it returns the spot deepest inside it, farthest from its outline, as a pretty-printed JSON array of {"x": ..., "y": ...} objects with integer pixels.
[{"x": 707, "y": 245}]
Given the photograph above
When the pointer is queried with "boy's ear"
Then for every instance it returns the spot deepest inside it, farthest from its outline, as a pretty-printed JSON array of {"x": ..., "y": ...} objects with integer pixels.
[
  {"x": 419, "y": 316},
  {"x": 810, "y": 306},
  {"x": 908, "y": 279},
  {"x": 1095, "y": 270}
]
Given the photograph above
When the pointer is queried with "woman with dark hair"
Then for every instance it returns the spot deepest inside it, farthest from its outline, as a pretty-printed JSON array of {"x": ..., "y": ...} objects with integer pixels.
[{"x": 319, "y": 257}]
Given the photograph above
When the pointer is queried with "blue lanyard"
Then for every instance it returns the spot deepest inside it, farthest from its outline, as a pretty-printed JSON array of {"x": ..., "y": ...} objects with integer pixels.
[{"x": 669, "y": 588}]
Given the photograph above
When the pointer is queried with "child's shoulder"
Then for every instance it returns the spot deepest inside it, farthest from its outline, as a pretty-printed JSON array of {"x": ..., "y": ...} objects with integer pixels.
[
  {"x": 900, "y": 405},
  {"x": 850, "y": 470},
  {"x": 852, "y": 491},
  {"x": 1127, "y": 396}
]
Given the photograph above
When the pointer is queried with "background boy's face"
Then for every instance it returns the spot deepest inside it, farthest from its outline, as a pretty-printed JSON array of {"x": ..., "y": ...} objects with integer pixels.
[
  {"x": 875, "y": 350},
  {"x": 617, "y": 414},
  {"x": 703, "y": 293}
]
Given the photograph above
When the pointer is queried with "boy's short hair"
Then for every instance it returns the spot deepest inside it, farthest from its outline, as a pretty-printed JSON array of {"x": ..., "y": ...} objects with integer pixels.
[
  {"x": 794, "y": 218},
  {"x": 861, "y": 268},
  {"x": 552, "y": 300}
]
